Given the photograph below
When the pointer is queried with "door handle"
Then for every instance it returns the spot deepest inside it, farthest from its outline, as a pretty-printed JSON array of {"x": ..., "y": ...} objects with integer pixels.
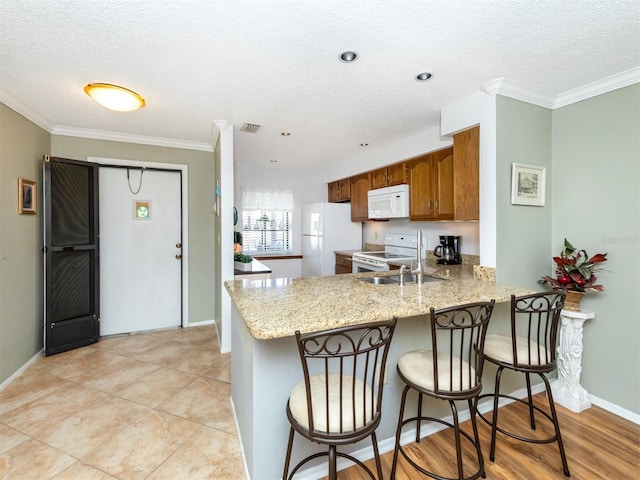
[
  {"x": 178, "y": 256},
  {"x": 178, "y": 245}
]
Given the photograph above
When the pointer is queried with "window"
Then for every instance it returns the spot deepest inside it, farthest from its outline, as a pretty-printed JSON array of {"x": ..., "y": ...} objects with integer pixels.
[{"x": 266, "y": 220}]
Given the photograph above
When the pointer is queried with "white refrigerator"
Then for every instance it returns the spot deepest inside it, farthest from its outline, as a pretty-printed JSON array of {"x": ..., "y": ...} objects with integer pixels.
[{"x": 327, "y": 227}]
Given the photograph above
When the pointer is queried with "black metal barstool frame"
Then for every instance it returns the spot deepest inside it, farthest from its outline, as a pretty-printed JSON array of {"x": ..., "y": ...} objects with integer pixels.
[
  {"x": 543, "y": 309},
  {"x": 450, "y": 319},
  {"x": 369, "y": 344}
]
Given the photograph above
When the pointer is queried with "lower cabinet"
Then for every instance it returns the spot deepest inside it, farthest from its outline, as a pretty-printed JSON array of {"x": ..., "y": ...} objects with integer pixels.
[{"x": 343, "y": 263}]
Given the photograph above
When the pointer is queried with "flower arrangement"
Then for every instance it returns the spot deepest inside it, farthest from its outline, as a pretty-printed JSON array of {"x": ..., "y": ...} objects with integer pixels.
[{"x": 575, "y": 270}]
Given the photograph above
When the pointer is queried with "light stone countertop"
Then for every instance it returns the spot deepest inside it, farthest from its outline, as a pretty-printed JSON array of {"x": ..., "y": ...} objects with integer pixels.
[{"x": 278, "y": 307}]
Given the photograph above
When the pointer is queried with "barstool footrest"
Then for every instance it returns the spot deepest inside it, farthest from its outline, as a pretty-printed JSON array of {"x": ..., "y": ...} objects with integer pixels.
[
  {"x": 477, "y": 474},
  {"x": 523, "y": 401}
]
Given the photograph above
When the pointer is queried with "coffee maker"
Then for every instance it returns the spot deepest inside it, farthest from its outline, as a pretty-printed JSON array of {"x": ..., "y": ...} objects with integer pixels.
[{"x": 448, "y": 252}]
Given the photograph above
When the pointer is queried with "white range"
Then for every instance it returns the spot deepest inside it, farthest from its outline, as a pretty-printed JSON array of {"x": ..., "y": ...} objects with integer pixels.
[{"x": 398, "y": 247}]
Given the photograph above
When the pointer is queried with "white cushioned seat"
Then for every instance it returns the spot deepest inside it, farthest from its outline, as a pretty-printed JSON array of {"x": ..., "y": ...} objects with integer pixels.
[
  {"x": 417, "y": 367},
  {"x": 498, "y": 347},
  {"x": 298, "y": 403}
]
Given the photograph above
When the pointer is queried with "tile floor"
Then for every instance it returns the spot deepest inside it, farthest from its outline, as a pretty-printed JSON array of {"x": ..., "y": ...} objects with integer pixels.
[{"x": 153, "y": 406}]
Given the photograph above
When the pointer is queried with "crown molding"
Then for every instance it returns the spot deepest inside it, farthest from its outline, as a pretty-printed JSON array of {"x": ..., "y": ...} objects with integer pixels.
[
  {"x": 511, "y": 89},
  {"x": 27, "y": 112},
  {"x": 130, "y": 138},
  {"x": 518, "y": 91},
  {"x": 614, "y": 82}
]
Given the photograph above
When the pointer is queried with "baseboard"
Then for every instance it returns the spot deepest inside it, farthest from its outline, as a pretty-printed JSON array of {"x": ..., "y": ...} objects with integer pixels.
[
  {"x": 18, "y": 372},
  {"x": 615, "y": 409},
  {"x": 244, "y": 459},
  {"x": 201, "y": 323}
]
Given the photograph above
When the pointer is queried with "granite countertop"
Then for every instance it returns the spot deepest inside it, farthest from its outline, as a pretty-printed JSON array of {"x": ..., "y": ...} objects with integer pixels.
[
  {"x": 257, "y": 267},
  {"x": 319, "y": 303}
]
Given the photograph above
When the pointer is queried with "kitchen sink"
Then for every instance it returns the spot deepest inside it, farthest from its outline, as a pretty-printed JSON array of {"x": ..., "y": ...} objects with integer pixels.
[
  {"x": 411, "y": 278},
  {"x": 395, "y": 279},
  {"x": 379, "y": 280}
]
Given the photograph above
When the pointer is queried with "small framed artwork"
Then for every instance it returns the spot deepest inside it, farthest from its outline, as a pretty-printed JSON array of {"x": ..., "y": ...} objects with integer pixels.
[
  {"x": 142, "y": 210},
  {"x": 527, "y": 185},
  {"x": 27, "y": 196}
]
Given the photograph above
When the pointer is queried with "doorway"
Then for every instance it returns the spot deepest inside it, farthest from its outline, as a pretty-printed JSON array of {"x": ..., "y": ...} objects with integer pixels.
[{"x": 143, "y": 246}]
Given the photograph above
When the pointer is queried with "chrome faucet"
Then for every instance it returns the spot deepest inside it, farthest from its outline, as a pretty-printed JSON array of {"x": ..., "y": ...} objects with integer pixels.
[{"x": 419, "y": 271}]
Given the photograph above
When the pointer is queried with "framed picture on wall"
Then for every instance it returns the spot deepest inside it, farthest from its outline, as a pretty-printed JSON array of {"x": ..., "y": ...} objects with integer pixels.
[
  {"x": 527, "y": 184},
  {"x": 27, "y": 199}
]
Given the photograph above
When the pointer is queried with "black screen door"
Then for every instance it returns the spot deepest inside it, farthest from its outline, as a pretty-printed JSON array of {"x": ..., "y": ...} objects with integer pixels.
[{"x": 71, "y": 246}]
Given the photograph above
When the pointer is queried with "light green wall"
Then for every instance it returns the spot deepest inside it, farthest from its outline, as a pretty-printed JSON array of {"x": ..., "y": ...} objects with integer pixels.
[
  {"x": 22, "y": 145},
  {"x": 596, "y": 205},
  {"x": 523, "y": 135},
  {"x": 201, "y": 197}
]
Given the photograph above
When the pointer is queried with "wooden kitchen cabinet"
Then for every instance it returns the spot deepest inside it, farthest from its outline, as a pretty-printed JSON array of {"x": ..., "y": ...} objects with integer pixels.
[
  {"x": 340, "y": 191},
  {"x": 360, "y": 185},
  {"x": 431, "y": 183},
  {"x": 395, "y": 174},
  {"x": 343, "y": 263},
  {"x": 466, "y": 164}
]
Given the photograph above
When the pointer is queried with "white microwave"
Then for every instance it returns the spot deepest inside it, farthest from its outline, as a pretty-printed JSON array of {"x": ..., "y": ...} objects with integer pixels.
[{"x": 389, "y": 202}]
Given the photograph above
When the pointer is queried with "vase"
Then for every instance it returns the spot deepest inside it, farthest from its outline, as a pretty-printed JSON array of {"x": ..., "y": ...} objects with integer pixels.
[{"x": 572, "y": 300}]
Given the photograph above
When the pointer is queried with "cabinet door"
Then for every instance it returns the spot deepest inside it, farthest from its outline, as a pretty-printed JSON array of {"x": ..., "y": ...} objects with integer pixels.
[
  {"x": 443, "y": 184},
  {"x": 344, "y": 190},
  {"x": 466, "y": 163},
  {"x": 379, "y": 178},
  {"x": 343, "y": 264},
  {"x": 397, "y": 174},
  {"x": 359, "y": 189},
  {"x": 421, "y": 185},
  {"x": 334, "y": 192}
]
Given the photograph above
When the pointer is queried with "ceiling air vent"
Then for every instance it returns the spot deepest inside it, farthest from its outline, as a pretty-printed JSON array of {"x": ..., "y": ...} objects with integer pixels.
[{"x": 250, "y": 127}]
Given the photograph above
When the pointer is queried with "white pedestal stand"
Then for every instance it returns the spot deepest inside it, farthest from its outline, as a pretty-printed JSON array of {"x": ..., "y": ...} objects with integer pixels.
[{"x": 567, "y": 390}]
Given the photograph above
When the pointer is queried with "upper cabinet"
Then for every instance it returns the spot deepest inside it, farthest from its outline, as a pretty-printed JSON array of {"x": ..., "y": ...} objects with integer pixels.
[
  {"x": 360, "y": 185},
  {"x": 444, "y": 185},
  {"x": 340, "y": 191},
  {"x": 431, "y": 186},
  {"x": 395, "y": 174},
  {"x": 466, "y": 182}
]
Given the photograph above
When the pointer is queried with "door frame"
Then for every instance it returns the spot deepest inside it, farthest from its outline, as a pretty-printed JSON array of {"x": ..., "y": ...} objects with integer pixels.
[{"x": 185, "y": 216}]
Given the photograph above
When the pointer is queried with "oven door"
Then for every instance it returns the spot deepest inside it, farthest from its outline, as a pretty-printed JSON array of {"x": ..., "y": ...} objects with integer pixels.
[{"x": 365, "y": 265}]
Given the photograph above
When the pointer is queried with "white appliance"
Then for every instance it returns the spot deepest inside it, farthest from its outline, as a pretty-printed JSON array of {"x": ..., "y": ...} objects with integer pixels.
[
  {"x": 389, "y": 202},
  {"x": 327, "y": 227},
  {"x": 399, "y": 247}
]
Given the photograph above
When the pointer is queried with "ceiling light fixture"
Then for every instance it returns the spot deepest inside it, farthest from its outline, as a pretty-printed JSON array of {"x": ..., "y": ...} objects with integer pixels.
[
  {"x": 423, "y": 77},
  {"x": 348, "y": 57},
  {"x": 285, "y": 134},
  {"x": 273, "y": 161},
  {"x": 364, "y": 144},
  {"x": 114, "y": 97}
]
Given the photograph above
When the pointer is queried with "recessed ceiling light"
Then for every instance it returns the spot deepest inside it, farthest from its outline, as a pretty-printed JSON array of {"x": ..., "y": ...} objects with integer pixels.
[
  {"x": 273, "y": 161},
  {"x": 114, "y": 97},
  {"x": 364, "y": 144},
  {"x": 348, "y": 56},
  {"x": 285, "y": 134},
  {"x": 423, "y": 77}
]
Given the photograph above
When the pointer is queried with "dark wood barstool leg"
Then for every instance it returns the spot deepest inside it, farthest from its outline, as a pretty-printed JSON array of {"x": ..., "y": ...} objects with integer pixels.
[
  {"x": 376, "y": 454},
  {"x": 494, "y": 423},
  {"x": 419, "y": 417},
  {"x": 333, "y": 475},
  {"x": 288, "y": 457},
  {"x": 530, "y": 397},
  {"x": 473, "y": 412},
  {"x": 556, "y": 425},
  {"x": 456, "y": 431},
  {"x": 396, "y": 448}
]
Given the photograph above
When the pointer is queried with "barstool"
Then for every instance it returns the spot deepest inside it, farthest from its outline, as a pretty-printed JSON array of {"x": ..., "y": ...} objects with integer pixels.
[
  {"x": 339, "y": 400},
  {"x": 450, "y": 371},
  {"x": 531, "y": 348}
]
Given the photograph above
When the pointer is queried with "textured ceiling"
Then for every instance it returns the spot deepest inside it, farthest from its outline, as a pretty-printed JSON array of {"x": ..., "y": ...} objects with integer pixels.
[{"x": 275, "y": 63}]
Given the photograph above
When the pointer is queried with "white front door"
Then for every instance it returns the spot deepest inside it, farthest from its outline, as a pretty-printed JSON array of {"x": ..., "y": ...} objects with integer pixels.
[{"x": 140, "y": 250}]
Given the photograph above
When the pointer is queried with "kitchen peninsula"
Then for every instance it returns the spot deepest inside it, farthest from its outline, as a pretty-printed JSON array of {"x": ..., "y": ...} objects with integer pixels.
[{"x": 265, "y": 363}]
